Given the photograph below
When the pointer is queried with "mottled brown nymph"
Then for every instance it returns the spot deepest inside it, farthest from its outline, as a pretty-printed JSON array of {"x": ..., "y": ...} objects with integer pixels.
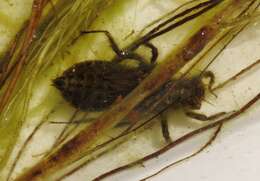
[{"x": 95, "y": 85}]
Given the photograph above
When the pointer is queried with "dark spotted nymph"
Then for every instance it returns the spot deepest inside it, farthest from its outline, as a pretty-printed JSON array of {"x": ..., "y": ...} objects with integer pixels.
[{"x": 95, "y": 85}]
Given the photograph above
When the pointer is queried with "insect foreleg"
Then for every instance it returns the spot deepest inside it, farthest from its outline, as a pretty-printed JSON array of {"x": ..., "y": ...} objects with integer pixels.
[
  {"x": 112, "y": 42},
  {"x": 121, "y": 54},
  {"x": 165, "y": 129},
  {"x": 210, "y": 75},
  {"x": 154, "y": 51}
]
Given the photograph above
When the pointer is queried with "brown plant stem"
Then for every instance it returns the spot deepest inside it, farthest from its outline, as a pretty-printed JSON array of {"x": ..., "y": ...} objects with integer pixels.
[{"x": 37, "y": 9}]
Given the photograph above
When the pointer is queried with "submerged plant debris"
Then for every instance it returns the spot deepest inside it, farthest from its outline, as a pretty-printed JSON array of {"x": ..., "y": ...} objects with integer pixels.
[{"x": 96, "y": 84}]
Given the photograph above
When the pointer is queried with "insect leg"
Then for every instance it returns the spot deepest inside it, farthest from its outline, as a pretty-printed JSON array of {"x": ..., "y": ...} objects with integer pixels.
[
  {"x": 211, "y": 76},
  {"x": 154, "y": 51},
  {"x": 203, "y": 117},
  {"x": 165, "y": 129},
  {"x": 121, "y": 54},
  {"x": 112, "y": 42}
]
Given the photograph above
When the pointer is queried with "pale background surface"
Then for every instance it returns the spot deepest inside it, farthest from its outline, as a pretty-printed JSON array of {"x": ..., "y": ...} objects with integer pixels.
[{"x": 235, "y": 154}]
